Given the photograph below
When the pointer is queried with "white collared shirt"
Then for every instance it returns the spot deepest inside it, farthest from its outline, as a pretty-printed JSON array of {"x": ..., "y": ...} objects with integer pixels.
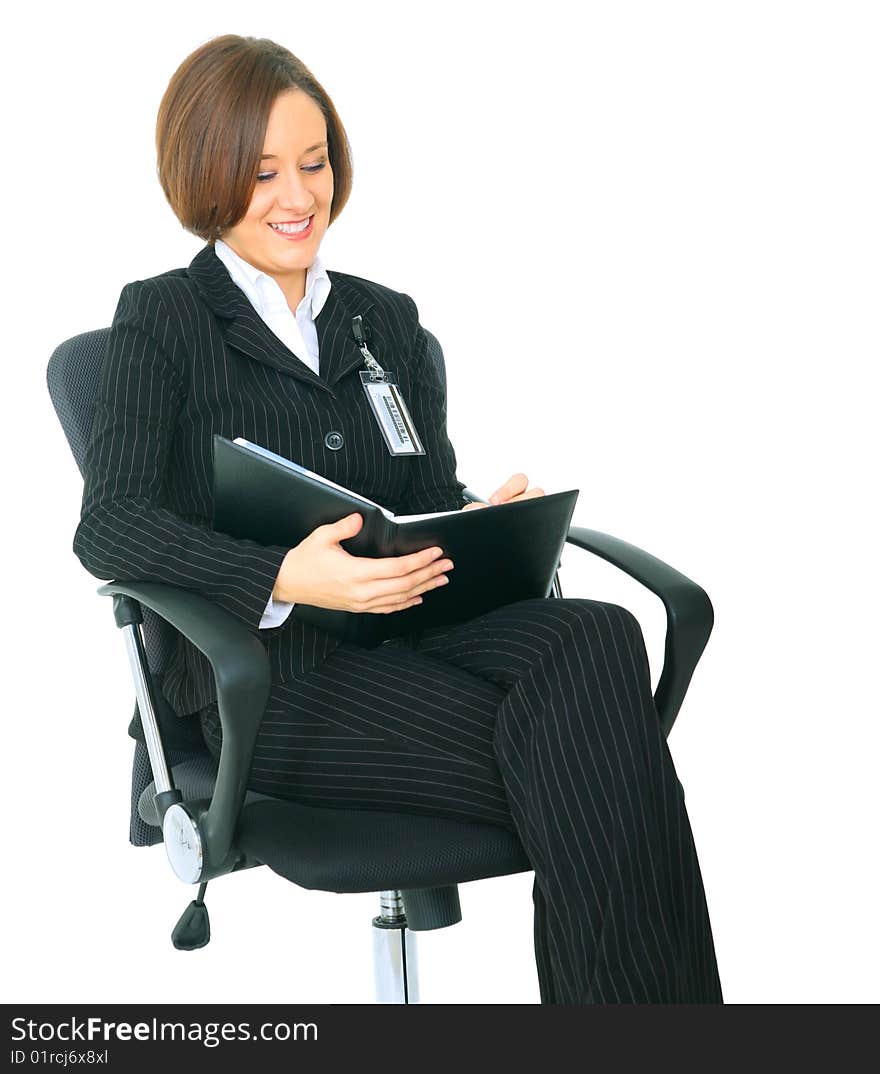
[{"x": 296, "y": 331}]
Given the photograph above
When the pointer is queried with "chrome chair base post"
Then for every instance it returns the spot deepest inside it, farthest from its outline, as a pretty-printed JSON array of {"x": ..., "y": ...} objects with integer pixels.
[{"x": 395, "y": 959}]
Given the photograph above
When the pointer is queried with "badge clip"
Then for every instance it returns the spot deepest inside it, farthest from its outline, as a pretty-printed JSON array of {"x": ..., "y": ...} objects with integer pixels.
[{"x": 357, "y": 329}]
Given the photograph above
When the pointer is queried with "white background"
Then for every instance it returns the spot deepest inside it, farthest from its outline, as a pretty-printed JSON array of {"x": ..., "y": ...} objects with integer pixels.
[{"x": 646, "y": 236}]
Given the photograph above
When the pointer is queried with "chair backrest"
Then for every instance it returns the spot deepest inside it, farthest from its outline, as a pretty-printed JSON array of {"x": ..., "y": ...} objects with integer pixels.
[{"x": 73, "y": 375}]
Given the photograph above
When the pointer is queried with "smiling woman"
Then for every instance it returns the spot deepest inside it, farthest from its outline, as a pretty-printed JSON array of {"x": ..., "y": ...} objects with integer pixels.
[{"x": 538, "y": 716}]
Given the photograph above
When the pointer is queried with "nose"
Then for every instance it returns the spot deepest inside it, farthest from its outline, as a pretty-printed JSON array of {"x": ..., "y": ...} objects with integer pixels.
[{"x": 295, "y": 195}]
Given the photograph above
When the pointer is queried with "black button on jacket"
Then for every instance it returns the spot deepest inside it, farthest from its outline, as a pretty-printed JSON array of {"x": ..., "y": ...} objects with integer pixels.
[{"x": 188, "y": 356}]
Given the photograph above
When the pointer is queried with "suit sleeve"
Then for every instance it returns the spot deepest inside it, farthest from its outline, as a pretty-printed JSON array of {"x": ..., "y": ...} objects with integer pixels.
[
  {"x": 433, "y": 485},
  {"x": 126, "y": 530}
]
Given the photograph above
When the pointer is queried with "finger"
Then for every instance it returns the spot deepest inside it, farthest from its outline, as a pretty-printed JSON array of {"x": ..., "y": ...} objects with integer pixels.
[
  {"x": 400, "y": 599},
  {"x": 473, "y": 506},
  {"x": 343, "y": 527},
  {"x": 392, "y": 589},
  {"x": 513, "y": 486},
  {"x": 395, "y": 566},
  {"x": 397, "y": 606},
  {"x": 531, "y": 494},
  {"x": 431, "y": 583}
]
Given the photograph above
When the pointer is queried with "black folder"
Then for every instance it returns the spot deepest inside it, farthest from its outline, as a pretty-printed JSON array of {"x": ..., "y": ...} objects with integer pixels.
[{"x": 502, "y": 553}]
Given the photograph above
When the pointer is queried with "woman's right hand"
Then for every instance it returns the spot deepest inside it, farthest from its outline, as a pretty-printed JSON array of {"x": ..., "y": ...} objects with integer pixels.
[{"x": 321, "y": 573}]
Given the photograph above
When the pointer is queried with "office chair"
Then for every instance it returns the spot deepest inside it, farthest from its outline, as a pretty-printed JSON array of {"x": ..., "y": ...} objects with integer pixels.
[{"x": 212, "y": 825}]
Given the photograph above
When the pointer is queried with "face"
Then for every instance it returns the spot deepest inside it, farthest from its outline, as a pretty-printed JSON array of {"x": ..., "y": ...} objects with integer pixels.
[{"x": 294, "y": 182}]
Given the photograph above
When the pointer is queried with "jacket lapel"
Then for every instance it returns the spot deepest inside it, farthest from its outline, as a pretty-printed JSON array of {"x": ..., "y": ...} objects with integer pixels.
[
  {"x": 248, "y": 333},
  {"x": 338, "y": 352}
]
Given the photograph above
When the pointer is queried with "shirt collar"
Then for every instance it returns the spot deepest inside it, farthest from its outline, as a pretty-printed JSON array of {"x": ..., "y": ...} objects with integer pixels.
[{"x": 265, "y": 293}]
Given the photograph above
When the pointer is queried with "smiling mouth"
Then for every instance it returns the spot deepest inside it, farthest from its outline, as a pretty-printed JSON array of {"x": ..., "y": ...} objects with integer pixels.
[{"x": 299, "y": 228}]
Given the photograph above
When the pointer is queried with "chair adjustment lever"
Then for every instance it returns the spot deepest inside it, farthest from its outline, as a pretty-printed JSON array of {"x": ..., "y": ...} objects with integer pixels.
[{"x": 193, "y": 930}]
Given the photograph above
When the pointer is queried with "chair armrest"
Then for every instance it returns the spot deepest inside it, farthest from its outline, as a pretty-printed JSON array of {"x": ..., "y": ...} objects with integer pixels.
[
  {"x": 241, "y": 672},
  {"x": 689, "y": 614}
]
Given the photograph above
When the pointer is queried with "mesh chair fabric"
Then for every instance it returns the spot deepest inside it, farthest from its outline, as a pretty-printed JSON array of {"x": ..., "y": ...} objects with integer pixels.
[
  {"x": 140, "y": 833},
  {"x": 194, "y": 776},
  {"x": 347, "y": 850}
]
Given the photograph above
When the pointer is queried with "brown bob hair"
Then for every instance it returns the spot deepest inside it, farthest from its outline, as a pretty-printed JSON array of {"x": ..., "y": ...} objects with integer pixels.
[{"x": 212, "y": 125}]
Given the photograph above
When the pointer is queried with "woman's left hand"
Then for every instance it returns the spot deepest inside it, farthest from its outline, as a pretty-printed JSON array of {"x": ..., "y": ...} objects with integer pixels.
[{"x": 514, "y": 488}]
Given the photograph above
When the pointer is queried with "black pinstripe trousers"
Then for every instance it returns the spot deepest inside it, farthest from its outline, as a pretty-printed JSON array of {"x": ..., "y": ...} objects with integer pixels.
[{"x": 537, "y": 716}]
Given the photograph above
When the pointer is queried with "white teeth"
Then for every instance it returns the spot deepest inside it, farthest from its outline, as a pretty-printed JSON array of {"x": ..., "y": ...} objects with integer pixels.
[{"x": 291, "y": 229}]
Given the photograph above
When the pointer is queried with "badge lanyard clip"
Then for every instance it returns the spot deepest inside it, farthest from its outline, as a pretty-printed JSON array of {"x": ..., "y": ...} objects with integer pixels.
[{"x": 357, "y": 327}]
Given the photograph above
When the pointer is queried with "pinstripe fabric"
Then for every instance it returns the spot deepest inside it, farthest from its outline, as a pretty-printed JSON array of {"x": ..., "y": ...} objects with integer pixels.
[
  {"x": 188, "y": 356},
  {"x": 539, "y": 717}
]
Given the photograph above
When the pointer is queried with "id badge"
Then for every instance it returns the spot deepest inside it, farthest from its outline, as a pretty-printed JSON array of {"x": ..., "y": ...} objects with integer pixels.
[{"x": 391, "y": 413}]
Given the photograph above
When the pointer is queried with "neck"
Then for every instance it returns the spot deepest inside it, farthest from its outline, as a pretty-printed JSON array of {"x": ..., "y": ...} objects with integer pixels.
[{"x": 293, "y": 285}]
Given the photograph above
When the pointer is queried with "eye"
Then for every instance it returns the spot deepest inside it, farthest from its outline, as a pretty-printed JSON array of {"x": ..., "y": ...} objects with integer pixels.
[{"x": 262, "y": 177}]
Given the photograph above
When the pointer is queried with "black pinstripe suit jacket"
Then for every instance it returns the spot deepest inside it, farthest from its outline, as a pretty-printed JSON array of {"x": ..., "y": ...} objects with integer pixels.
[{"x": 188, "y": 356}]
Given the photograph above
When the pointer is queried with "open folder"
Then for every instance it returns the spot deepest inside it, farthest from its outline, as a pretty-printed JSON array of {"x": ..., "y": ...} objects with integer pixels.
[{"x": 501, "y": 553}]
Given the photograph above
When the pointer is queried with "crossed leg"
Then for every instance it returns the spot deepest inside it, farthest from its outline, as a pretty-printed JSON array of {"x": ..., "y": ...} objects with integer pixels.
[{"x": 537, "y": 716}]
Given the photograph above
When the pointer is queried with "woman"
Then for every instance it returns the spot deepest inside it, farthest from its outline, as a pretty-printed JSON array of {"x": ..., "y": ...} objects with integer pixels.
[{"x": 537, "y": 716}]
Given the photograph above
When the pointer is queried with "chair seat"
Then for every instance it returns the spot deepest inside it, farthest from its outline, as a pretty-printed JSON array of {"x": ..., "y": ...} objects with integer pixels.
[
  {"x": 347, "y": 850},
  {"x": 374, "y": 850}
]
